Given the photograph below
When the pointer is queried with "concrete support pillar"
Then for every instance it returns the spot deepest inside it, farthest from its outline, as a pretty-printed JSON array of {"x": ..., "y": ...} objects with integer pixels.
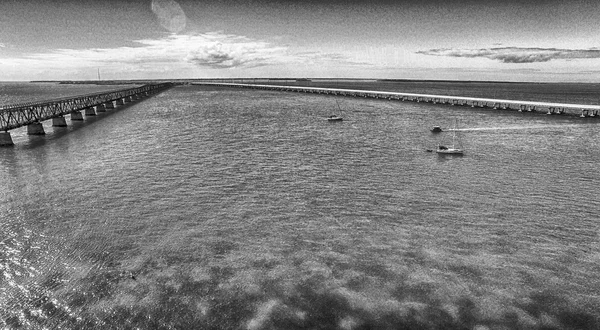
[
  {"x": 59, "y": 122},
  {"x": 5, "y": 139},
  {"x": 90, "y": 111},
  {"x": 76, "y": 115},
  {"x": 119, "y": 102},
  {"x": 35, "y": 129},
  {"x": 109, "y": 105},
  {"x": 100, "y": 108}
]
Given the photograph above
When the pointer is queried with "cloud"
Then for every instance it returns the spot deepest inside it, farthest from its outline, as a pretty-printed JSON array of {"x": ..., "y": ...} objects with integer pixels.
[
  {"x": 2, "y": 45},
  {"x": 169, "y": 14},
  {"x": 211, "y": 50},
  {"x": 516, "y": 54},
  {"x": 177, "y": 55},
  {"x": 221, "y": 51}
]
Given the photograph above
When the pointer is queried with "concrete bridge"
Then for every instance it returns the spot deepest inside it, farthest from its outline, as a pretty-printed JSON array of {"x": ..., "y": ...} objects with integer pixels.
[
  {"x": 580, "y": 110},
  {"x": 31, "y": 114}
]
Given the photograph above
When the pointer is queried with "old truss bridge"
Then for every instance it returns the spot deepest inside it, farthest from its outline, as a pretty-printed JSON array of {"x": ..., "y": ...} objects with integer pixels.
[{"x": 31, "y": 114}]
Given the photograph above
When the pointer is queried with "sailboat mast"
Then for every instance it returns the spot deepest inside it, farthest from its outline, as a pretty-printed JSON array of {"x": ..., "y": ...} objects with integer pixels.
[{"x": 454, "y": 135}]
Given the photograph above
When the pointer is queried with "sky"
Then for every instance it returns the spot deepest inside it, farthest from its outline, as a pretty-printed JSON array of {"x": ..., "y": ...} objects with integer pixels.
[{"x": 493, "y": 40}]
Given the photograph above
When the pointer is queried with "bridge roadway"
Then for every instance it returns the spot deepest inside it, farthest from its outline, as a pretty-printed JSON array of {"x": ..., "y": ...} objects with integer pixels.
[
  {"x": 31, "y": 114},
  {"x": 581, "y": 110}
]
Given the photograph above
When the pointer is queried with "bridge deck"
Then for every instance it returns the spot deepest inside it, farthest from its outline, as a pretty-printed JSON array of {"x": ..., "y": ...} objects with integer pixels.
[
  {"x": 22, "y": 114},
  {"x": 473, "y": 101}
]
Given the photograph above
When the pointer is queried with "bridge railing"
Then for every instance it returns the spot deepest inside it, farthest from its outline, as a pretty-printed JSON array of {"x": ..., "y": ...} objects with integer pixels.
[
  {"x": 17, "y": 115},
  {"x": 55, "y": 100}
]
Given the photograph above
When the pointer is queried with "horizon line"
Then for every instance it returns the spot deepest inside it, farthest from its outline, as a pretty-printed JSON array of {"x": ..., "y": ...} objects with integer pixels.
[{"x": 297, "y": 79}]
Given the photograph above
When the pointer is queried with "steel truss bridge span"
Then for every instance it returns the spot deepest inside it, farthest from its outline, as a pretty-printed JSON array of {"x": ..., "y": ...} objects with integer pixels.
[{"x": 23, "y": 114}]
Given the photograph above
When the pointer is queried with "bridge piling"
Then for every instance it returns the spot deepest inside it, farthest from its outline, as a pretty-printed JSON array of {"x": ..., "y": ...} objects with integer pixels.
[
  {"x": 90, "y": 111},
  {"x": 76, "y": 115},
  {"x": 5, "y": 139},
  {"x": 59, "y": 122},
  {"x": 35, "y": 129}
]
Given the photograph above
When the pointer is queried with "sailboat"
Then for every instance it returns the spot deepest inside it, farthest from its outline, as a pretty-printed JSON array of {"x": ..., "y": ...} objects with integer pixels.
[
  {"x": 336, "y": 117},
  {"x": 450, "y": 150}
]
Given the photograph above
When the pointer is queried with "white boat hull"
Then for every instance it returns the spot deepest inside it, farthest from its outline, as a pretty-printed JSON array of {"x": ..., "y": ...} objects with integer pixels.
[{"x": 450, "y": 151}]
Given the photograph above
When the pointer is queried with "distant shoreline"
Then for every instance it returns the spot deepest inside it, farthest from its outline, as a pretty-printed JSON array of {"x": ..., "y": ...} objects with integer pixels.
[{"x": 308, "y": 80}]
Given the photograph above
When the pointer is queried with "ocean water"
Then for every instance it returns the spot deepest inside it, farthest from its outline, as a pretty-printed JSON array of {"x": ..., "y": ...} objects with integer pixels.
[{"x": 216, "y": 208}]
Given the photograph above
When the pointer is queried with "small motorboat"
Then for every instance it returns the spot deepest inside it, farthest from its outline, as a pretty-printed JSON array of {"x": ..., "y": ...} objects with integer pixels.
[{"x": 436, "y": 129}]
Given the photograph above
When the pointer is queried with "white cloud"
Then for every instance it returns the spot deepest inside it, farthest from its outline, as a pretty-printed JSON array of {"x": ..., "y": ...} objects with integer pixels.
[
  {"x": 182, "y": 53},
  {"x": 177, "y": 52},
  {"x": 517, "y": 54}
]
